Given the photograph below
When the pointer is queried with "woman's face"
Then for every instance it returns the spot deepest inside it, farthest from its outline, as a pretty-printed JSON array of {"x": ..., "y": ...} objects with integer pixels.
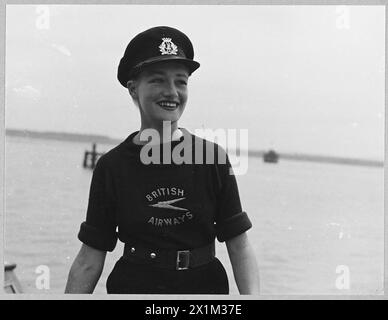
[{"x": 161, "y": 92}]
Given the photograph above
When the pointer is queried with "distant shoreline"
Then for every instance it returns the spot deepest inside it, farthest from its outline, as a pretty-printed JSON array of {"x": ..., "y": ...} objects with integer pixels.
[
  {"x": 322, "y": 159},
  {"x": 62, "y": 136},
  {"x": 90, "y": 138}
]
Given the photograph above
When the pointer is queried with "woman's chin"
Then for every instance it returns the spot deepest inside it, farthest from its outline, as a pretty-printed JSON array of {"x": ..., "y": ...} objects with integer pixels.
[{"x": 173, "y": 116}]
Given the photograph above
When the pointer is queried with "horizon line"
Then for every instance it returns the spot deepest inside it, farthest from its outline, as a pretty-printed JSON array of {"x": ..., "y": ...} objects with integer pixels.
[{"x": 97, "y": 138}]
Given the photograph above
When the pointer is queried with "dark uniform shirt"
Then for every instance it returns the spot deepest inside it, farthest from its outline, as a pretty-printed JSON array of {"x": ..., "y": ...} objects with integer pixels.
[{"x": 169, "y": 206}]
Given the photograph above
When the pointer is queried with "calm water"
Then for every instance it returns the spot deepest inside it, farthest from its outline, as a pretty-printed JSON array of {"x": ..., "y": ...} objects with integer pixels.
[{"x": 308, "y": 219}]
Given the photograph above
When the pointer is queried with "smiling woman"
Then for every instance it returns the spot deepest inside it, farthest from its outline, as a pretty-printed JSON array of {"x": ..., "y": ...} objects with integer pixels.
[{"x": 168, "y": 215}]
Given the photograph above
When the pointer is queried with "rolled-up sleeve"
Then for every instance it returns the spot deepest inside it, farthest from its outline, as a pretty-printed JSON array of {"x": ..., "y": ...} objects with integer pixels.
[
  {"x": 231, "y": 220},
  {"x": 99, "y": 229},
  {"x": 233, "y": 226}
]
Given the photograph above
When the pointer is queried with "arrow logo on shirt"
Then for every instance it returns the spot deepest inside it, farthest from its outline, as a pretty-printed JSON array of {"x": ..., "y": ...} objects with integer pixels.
[{"x": 167, "y": 204}]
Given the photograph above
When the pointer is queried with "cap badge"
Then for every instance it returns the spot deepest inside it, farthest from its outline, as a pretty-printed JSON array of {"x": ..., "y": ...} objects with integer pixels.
[{"x": 168, "y": 47}]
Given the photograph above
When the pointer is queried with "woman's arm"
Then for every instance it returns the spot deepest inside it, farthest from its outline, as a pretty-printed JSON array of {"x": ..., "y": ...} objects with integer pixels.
[
  {"x": 85, "y": 270},
  {"x": 245, "y": 269}
]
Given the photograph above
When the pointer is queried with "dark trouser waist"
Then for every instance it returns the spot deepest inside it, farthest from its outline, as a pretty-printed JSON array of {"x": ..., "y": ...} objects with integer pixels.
[{"x": 170, "y": 259}]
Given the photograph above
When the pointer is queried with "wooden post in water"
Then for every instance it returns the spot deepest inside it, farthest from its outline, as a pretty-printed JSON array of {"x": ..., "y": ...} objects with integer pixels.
[
  {"x": 11, "y": 282},
  {"x": 93, "y": 157},
  {"x": 85, "y": 163}
]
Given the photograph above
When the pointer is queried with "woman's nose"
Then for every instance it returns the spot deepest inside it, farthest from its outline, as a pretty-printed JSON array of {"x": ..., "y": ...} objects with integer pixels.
[{"x": 170, "y": 90}]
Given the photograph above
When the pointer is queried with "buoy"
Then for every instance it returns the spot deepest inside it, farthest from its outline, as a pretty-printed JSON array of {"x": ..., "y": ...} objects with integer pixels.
[{"x": 271, "y": 157}]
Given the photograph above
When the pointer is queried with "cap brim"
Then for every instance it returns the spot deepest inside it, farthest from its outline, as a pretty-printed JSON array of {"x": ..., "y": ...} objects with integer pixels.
[{"x": 190, "y": 64}]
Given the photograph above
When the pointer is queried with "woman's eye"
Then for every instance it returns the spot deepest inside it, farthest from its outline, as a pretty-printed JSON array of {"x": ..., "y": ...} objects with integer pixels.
[
  {"x": 156, "y": 80},
  {"x": 182, "y": 82}
]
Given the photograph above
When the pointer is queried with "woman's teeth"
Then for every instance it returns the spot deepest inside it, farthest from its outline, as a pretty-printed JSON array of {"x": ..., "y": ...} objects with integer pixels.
[{"x": 168, "y": 105}]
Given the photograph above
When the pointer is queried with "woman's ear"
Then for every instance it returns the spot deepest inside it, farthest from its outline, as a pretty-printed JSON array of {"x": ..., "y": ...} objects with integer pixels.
[{"x": 132, "y": 89}]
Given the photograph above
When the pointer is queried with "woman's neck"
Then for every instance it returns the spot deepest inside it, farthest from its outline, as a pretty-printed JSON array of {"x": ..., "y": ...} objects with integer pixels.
[{"x": 166, "y": 131}]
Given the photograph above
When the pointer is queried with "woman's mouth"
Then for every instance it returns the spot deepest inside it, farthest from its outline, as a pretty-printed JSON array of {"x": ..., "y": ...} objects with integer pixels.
[{"x": 168, "y": 105}]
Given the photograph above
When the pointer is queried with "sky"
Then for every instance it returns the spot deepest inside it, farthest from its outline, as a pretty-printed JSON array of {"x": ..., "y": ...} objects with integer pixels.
[{"x": 307, "y": 79}]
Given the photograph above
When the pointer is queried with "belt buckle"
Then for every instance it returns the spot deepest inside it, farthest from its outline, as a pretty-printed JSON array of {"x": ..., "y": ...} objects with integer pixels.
[{"x": 183, "y": 259}]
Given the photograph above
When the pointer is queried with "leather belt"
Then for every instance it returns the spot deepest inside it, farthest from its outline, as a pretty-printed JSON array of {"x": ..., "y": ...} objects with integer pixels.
[{"x": 170, "y": 259}]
